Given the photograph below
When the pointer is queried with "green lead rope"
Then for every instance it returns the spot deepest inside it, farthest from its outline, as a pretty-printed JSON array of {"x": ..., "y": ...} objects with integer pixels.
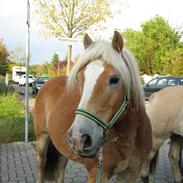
[{"x": 100, "y": 165}]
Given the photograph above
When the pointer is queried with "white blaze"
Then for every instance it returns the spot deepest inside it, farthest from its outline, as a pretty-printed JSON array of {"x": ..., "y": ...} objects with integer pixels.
[{"x": 91, "y": 73}]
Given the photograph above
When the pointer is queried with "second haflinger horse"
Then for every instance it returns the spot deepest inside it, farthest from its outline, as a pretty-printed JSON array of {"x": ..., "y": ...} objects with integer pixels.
[
  {"x": 165, "y": 112},
  {"x": 99, "y": 106}
]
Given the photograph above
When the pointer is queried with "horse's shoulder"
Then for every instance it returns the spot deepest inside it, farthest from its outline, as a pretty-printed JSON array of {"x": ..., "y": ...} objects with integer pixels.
[
  {"x": 55, "y": 84},
  {"x": 61, "y": 80}
]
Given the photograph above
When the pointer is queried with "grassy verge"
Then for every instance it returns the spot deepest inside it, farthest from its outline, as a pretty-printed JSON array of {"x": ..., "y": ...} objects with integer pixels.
[{"x": 12, "y": 119}]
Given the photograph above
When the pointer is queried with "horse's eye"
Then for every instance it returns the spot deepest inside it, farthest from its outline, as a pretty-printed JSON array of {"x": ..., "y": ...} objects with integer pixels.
[{"x": 113, "y": 80}]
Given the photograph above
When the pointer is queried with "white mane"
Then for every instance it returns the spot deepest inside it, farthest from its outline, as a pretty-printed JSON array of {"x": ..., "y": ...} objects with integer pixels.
[{"x": 126, "y": 66}]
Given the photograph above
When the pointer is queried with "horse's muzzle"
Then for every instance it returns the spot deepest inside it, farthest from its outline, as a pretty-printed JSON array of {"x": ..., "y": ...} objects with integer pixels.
[
  {"x": 84, "y": 140},
  {"x": 82, "y": 144}
]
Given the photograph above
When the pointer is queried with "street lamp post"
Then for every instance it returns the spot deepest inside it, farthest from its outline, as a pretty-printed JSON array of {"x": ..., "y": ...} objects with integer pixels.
[{"x": 27, "y": 71}]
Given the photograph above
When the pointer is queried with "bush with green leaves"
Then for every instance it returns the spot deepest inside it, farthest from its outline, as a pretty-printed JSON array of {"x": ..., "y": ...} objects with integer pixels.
[
  {"x": 12, "y": 119},
  {"x": 158, "y": 47}
]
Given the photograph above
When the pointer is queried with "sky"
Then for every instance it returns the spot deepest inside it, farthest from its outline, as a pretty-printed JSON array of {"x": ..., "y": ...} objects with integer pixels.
[{"x": 133, "y": 14}]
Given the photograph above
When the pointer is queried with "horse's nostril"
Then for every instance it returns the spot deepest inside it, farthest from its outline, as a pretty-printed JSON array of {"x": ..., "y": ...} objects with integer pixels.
[{"x": 87, "y": 142}]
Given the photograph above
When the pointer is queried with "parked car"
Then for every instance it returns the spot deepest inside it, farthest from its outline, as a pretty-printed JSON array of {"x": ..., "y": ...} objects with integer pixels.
[
  {"x": 40, "y": 80},
  {"x": 22, "y": 80},
  {"x": 161, "y": 82}
]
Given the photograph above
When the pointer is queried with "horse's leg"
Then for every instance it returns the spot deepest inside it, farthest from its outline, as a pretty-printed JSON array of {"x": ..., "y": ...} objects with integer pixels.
[
  {"x": 41, "y": 150},
  {"x": 146, "y": 169},
  {"x": 128, "y": 176},
  {"x": 149, "y": 165},
  {"x": 181, "y": 161},
  {"x": 174, "y": 155},
  {"x": 61, "y": 169}
]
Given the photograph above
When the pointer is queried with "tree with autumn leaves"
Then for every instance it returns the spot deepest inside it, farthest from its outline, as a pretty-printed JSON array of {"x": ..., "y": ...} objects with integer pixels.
[{"x": 4, "y": 61}]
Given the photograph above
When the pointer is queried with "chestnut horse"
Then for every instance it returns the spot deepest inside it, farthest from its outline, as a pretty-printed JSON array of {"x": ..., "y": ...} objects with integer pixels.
[
  {"x": 101, "y": 100},
  {"x": 165, "y": 112}
]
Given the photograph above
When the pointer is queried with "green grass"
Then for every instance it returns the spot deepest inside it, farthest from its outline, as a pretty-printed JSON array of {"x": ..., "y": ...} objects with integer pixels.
[{"x": 12, "y": 118}]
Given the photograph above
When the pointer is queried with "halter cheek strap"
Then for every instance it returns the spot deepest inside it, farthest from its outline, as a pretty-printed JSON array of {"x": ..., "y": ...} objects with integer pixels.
[{"x": 98, "y": 121}]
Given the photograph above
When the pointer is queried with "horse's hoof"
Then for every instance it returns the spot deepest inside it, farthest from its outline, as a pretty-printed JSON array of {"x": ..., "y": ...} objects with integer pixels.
[{"x": 145, "y": 179}]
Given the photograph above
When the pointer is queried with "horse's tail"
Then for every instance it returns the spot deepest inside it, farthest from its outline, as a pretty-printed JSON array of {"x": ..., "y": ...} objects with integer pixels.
[
  {"x": 154, "y": 163},
  {"x": 54, "y": 161}
]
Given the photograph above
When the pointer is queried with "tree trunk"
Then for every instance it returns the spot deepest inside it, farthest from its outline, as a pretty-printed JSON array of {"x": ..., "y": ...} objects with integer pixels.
[{"x": 69, "y": 54}]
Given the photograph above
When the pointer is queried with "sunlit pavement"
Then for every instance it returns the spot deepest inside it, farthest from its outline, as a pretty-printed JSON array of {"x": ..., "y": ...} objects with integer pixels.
[{"x": 17, "y": 165}]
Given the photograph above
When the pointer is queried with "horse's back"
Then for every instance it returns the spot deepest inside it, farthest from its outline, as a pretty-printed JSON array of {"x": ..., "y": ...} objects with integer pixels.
[
  {"x": 165, "y": 111},
  {"x": 46, "y": 98}
]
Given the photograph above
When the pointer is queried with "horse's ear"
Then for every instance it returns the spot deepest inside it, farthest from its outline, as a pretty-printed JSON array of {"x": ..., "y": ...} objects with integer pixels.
[
  {"x": 117, "y": 41},
  {"x": 87, "y": 41}
]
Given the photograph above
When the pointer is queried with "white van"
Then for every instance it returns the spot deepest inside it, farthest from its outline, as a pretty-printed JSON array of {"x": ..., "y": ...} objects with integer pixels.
[
  {"x": 17, "y": 72},
  {"x": 22, "y": 80}
]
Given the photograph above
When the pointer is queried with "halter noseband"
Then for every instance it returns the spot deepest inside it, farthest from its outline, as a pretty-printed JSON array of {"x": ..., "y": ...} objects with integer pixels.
[{"x": 98, "y": 121}]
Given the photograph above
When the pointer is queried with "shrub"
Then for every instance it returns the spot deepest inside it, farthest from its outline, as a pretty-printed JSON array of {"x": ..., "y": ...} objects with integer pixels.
[{"x": 12, "y": 119}]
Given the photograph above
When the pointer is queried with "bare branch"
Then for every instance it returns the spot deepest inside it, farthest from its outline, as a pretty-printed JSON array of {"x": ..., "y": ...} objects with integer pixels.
[{"x": 71, "y": 17}]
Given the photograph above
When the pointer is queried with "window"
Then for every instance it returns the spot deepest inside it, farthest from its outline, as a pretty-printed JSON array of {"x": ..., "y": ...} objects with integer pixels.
[
  {"x": 152, "y": 82},
  {"x": 42, "y": 80},
  {"x": 161, "y": 82},
  {"x": 19, "y": 73},
  {"x": 181, "y": 81},
  {"x": 172, "y": 82}
]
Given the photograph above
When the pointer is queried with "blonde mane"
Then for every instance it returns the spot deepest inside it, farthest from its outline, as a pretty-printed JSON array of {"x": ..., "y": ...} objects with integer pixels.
[{"x": 124, "y": 62}]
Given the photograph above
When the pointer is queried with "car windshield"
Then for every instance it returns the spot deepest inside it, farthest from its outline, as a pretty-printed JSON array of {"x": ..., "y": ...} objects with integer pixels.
[
  {"x": 152, "y": 82},
  {"x": 20, "y": 73},
  {"x": 42, "y": 79},
  {"x": 161, "y": 82}
]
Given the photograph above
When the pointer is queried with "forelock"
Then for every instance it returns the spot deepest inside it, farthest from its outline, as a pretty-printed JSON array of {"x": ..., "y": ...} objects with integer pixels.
[{"x": 105, "y": 51}]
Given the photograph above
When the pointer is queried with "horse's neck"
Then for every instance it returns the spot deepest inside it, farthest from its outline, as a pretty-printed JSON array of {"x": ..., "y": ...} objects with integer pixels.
[
  {"x": 134, "y": 132},
  {"x": 135, "y": 128},
  {"x": 130, "y": 120}
]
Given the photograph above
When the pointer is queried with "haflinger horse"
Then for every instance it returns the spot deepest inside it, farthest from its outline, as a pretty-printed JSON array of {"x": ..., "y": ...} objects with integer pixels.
[
  {"x": 165, "y": 112},
  {"x": 101, "y": 101}
]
